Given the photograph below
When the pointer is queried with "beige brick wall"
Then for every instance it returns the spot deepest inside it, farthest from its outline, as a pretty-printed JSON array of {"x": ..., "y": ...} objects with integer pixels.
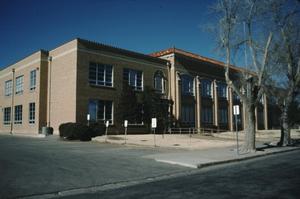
[
  {"x": 62, "y": 90},
  {"x": 23, "y": 67}
]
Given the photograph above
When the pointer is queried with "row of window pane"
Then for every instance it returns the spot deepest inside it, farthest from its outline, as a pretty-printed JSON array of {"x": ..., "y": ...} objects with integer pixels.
[
  {"x": 18, "y": 116},
  {"x": 20, "y": 84}
]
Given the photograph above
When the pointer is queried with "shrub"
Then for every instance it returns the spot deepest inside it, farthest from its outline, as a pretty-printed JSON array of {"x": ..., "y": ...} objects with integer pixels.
[
  {"x": 75, "y": 131},
  {"x": 97, "y": 129}
]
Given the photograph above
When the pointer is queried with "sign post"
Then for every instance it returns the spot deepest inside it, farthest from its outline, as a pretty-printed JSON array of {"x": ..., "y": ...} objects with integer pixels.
[
  {"x": 125, "y": 125},
  {"x": 236, "y": 112},
  {"x": 106, "y": 124},
  {"x": 153, "y": 126}
]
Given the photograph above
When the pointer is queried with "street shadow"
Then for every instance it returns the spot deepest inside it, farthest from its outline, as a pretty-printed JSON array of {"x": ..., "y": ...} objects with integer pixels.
[{"x": 294, "y": 142}]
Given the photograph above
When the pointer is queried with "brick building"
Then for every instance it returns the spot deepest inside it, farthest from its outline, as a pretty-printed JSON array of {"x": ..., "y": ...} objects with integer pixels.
[{"x": 82, "y": 77}]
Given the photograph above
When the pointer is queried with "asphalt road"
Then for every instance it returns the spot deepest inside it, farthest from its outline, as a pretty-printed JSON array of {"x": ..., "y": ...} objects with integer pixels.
[
  {"x": 38, "y": 166},
  {"x": 276, "y": 176}
]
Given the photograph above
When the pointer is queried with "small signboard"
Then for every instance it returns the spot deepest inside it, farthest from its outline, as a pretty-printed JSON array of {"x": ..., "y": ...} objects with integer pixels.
[
  {"x": 125, "y": 123},
  {"x": 107, "y": 123},
  {"x": 88, "y": 117},
  {"x": 153, "y": 123},
  {"x": 236, "y": 110}
]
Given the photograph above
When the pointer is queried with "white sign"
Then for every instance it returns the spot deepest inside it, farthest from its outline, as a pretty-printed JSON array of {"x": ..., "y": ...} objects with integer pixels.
[
  {"x": 125, "y": 123},
  {"x": 236, "y": 110},
  {"x": 107, "y": 123},
  {"x": 88, "y": 117},
  {"x": 154, "y": 123}
]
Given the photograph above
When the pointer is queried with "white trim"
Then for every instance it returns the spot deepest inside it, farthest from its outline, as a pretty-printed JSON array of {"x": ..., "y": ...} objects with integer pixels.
[{"x": 120, "y": 58}]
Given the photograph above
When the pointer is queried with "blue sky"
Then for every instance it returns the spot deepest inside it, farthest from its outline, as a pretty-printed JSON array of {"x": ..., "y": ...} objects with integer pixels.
[{"x": 140, "y": 25}]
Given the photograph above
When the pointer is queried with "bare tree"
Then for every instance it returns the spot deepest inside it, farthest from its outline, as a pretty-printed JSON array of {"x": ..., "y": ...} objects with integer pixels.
[
  {"x": 287, "y": 58},
  {"x": 247, "y": 16}
]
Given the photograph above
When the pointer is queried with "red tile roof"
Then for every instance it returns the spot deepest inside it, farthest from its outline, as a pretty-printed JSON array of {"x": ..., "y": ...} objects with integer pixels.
[{"x": 195, "y": 56}]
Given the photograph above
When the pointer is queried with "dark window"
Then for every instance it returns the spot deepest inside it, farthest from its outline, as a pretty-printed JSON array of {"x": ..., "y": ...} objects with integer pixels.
[
  {"x": 223, "y": 115},
  {"x": 101, "y": 110},
  {"x": 7, "y": 115},
  {"x": 222, "y": 90},
  {"x": 188, "y": 114},
  {"x": 206, "y": 115},
  {"x": 100, "y": 74},
  {"x": 18, "y": 114},
  {"x": 31, "y": 113},
  {"x": 206, "y": 88},
  {"x": 187, "y": 85},
  {"x": 159, "y": 82},
  {"x": 134, "y": 78}
]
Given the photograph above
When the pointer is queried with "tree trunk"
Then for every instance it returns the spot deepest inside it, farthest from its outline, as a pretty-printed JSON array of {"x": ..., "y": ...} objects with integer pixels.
[
  {"x": 285, "y": 138},
  {"x": 249, "y": 143}
]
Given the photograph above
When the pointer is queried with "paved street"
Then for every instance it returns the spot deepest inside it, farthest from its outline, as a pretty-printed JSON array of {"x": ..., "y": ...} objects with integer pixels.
[
  {"x": 33, "y": 166},
  {"x": 276, "y": 176},
  {"x": 48, "y": 167}
]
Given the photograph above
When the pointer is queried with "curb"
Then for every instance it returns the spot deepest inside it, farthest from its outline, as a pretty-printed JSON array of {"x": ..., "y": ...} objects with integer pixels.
[{"x": 199, "y": 166}]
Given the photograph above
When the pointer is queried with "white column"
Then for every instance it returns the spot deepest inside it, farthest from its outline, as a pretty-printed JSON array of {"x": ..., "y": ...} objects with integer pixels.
[
  {"x": 198, "y": 104},
  {"x": 216, "y": 123}
]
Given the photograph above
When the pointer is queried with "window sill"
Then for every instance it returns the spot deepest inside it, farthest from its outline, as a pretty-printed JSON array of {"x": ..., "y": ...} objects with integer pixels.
[
  {"x": 19, "y": 93},
  {"x": 104, "y": 87}
]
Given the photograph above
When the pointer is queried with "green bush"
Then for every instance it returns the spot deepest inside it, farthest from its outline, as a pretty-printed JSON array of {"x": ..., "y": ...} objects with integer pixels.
[{"x": 75, "y": 131}]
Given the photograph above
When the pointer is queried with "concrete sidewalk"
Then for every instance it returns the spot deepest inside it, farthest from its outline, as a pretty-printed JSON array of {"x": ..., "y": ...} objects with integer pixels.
[{"x": 197, "y": 151}]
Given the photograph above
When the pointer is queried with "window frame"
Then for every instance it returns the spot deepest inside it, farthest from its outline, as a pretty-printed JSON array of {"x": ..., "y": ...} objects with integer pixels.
[
  {"x": 222, "y": 91},
  {"x": 162, "y": 80},
  {"x": 185, "y": 78},
  {"x": 96, "y": 114},
  {"x": 206, "y": 88},
  {"x": 18, "y": 119},
  {"x": 127, "y": 75},
  {"x": 6, "y": 115},
  {"x": 31, "y": 112},
  {"x": 32, "y": 79},
  {"x": 19, "y": 84},
  {"x": 97, "y": 81},
  {"x": 8, "y": 87}
]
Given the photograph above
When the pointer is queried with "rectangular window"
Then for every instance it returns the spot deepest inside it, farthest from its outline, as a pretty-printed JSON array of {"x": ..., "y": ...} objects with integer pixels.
[
  {"x": 19, "y": 84},
  {"x": 206, "y": 115},
  {"x": 223, "y": 115},
  {"x": 8, "y": 88},
  {"x": 101, "y": 74},
  {"x": 222, "y": 90},
  {"x": 134, "y": 78},
  {"x": 188, "y": 114},
  {"x": 187, "y": 85},
  {"x": 101, "y": 111},
  {"x": 206, "y": 88},
  {"x": 7, "y": 116},
  {"x": 32, "y": 80},
  {"x": 18, "y": 114},
  {"x": 31, "y": 113}
]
